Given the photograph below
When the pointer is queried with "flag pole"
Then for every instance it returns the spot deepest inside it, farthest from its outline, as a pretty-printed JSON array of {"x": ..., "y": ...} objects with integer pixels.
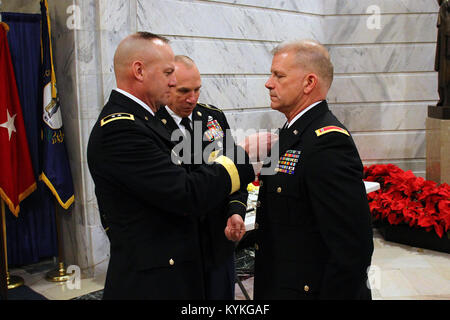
[
  {"x": 58, "y": 275},
  {"x": 11, "y": 281},
  {"x": 4, "y": 279}
]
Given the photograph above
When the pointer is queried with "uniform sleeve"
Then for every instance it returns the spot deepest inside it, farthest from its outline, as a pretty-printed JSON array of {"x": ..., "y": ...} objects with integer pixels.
[
  {"x": 237, "y": 203},
  {"x": 130, "y": 158},
  {"x": 339, "y": 203}
]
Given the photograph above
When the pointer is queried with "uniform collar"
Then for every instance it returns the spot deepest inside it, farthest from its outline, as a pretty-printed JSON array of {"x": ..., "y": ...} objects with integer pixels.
[
  {"x": 132, "y": 106},
  {"x": 290, "y": 136},
  {"x": 176, "y": 117},
  {"x": 135, "y": 99},
  {"x": 302, "y": 113}
]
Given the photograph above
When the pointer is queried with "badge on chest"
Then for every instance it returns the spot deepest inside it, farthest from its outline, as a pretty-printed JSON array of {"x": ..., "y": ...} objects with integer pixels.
[
  {"x": 288, "y": 162},
  {"x": 214, "y": 131}
]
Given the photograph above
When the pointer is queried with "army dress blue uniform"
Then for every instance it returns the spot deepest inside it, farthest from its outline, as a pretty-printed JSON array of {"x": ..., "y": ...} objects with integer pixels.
[
  {"x": 151, "y": 203},
  {"x": 218, "y": 251},
  {"x": 313, "y": 227}
]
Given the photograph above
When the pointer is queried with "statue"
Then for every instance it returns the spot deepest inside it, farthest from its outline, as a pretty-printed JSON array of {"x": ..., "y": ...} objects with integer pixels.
[{"x": 442, "y": 62}]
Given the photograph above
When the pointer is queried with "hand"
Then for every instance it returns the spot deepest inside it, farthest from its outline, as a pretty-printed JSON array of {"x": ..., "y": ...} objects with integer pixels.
[
  {"x": 235, "y": 228},
  {"x": 258, "y": 145}
]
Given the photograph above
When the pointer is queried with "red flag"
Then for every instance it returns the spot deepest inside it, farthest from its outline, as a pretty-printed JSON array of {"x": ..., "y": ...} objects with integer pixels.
[{"x": 16, "y": 172}]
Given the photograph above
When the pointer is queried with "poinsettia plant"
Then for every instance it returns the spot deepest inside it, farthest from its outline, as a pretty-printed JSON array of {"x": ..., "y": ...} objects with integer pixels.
[{"x": 404, "y": 198}]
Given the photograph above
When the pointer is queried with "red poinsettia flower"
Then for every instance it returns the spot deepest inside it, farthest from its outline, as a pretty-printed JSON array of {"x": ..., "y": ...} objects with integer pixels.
[{"x": 404, "y": 198}]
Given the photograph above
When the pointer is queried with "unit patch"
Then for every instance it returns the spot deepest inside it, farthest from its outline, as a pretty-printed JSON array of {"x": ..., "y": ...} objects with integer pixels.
[
  {"x": 328, "y": 129},
  {"x": 288, "y": 162}
]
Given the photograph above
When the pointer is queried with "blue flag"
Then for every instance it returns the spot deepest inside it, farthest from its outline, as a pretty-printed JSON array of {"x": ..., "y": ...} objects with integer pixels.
[{"x": 55, "y": 164}]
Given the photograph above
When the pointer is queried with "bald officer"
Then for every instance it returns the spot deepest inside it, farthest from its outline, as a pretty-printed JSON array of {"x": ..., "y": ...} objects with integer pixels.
[
  {"x": 313, "y": 230},
  {"x": 150, "y": 201},
  {"x": 184, "y": 113}
]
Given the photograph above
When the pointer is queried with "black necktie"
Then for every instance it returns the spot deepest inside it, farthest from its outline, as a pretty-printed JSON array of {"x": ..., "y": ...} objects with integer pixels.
[{"x": 186, "y": 122}]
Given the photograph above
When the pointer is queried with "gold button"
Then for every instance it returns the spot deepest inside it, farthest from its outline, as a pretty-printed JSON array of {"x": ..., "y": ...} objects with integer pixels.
[
  {"x": 163, "y": 121},
  {"x": 256, "y": 246},
  {"x": 171, "y": 262},
  {"x": 279, "y": 189},
  {"x": 146, "y": 118},
  {"x": 199, "y": 113},
  {"x": 260, "y": 183},
  {"x": 256, "y": 225},
  {"x": 258, "y": 204},
  {"x": 296, "y": 132},
  {"x": 306, "y": 288}
]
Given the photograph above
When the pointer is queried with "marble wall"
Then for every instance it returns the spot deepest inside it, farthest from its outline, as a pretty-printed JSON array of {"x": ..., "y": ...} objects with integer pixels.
[{"x": 384, "y": 76}]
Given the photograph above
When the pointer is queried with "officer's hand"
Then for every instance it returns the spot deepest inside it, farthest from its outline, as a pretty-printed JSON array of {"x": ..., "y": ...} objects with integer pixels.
[
  {"x": 258, "y": 145},
  {"x": 235, "y": 228}
]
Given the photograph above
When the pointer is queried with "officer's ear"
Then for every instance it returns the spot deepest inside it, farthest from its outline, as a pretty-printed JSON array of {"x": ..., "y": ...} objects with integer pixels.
[
  {"x": 137, "y": 69},
  {"x": 310, "y": 82}
]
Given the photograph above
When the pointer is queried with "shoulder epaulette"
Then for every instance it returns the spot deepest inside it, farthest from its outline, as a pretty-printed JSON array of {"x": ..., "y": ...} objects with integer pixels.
[
  {"x": 209, "y": 107},
  {"x": 329, "y": 129},
  {"x": 116, "y": 116}
]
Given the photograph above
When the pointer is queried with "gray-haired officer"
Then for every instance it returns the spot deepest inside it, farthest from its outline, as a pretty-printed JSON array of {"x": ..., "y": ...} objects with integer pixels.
[{"x": 314, "y": 236}]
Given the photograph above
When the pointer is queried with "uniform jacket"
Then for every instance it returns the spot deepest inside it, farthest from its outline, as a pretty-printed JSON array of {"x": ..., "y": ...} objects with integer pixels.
[
  {"x": 151, "y": 204},
  {"x": 313, "y": 227},
  {"x": 217, "y": 247}
]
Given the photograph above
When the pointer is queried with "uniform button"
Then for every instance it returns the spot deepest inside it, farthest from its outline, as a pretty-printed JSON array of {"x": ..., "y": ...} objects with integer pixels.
[
  {"x": 296, "y": 132},
  {"x": 258, "y": 204},
  {"x": 171, "y": 262},
  {"x": 279, "y": 190},
  {"x": 256, "y": 225},
  {"x": 306, "y": 288},
  {"x": 256, "y": 246},
  {"x": 146, "y": 118},
  {"x": 260, "y": 183}
]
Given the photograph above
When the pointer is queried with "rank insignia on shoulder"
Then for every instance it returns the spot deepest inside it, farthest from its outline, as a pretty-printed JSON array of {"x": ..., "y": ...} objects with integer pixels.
[
  {"x": 288, "y": 162},
  {"x": 204, "y": 105},
  {"x": 328, "y": 129},
  {"x": 116, "y": 116}
]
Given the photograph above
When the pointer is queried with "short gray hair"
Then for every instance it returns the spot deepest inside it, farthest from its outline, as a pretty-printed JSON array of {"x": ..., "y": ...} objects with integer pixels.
[{"x": 311, "y": 55}]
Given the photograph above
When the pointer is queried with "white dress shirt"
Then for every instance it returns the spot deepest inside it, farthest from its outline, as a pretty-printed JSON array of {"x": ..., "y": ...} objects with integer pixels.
[
  {"x": 302, "y": 113},
  {"x": 178, "y": 119}
]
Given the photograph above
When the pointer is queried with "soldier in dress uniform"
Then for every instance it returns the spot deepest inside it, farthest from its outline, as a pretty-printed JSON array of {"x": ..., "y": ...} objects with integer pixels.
[
  {"x": 313, "y": 227},
  {"x": 184, "y": 113},
  {"x": 151, "y": 201}
]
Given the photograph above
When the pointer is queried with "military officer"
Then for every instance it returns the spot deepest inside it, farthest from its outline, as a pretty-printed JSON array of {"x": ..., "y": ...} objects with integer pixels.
[
  {"x": 213, "y": 136},
  {"x": 151, "y": 201},
  {"x": 314, "y": 236}
]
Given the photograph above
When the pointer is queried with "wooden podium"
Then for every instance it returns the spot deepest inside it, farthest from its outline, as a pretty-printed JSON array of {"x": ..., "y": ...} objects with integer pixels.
[{"x": 438, "y": 144}]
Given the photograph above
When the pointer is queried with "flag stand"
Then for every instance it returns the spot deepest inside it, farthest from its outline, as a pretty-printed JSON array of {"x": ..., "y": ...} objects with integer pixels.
[
  {"x": 11, "y": 281},
  {"x": 58, "y": 275}
]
